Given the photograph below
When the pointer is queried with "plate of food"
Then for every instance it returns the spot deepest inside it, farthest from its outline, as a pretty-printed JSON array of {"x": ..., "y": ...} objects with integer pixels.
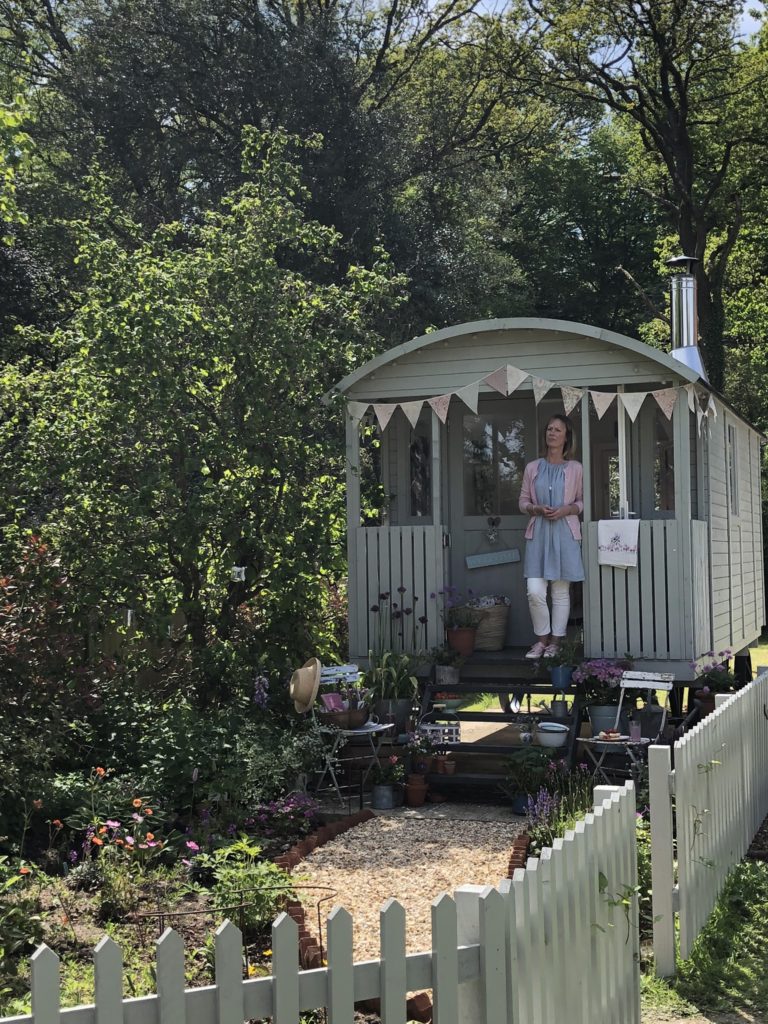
[{"x": 611, "y": 736}]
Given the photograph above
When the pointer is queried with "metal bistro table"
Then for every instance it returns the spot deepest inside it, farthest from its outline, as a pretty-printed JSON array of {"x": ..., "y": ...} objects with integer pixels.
[{"x": 372, "y": 732}]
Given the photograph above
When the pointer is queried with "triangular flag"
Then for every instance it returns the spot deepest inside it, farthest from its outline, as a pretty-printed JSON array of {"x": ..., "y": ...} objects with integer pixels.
[
  {"x": 540, "y": 388},
  {"x": 469, "y": 395},
  {"x": 515, "y": 378},
  {"x": 384, "y": 414},
  {"x": 498, "y": 380},
  {"x": 571, "y": 397},
  {"x": 412, "y": 411},
  {"x": 700, "y": 419},
  {"x": 667, "y": 398},
  {"x": 711, "y": 407},
  {"x": 357, "y": 410},
  {"x": 632, "y": 402},
  {"x": 440, "y": 404},
  {"x": 691, "y": 397},
  {"x": 601, "y": 401}
]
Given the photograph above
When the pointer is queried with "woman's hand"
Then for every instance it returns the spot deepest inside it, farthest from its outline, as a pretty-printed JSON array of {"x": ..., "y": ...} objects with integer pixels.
[{"x": 556, "y": 513}]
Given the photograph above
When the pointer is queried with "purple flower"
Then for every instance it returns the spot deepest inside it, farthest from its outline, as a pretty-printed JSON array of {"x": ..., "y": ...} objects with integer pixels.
[{"x": 112, "y": 824}]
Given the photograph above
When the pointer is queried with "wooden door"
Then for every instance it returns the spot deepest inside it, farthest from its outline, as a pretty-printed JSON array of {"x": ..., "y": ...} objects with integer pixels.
[{"x": 486, "y": 457}]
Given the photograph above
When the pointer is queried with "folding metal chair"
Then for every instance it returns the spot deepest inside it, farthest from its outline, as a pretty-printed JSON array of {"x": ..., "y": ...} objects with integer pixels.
[{"x": 651, "y": 731}]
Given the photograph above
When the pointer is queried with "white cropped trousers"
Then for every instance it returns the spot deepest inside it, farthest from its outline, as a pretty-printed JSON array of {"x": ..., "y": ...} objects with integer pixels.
[{"x": 543, "y": 624}]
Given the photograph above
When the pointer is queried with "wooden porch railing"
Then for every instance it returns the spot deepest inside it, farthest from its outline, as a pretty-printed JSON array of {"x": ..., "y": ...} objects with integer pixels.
[
  {"x": 381, "y": 560},
  {"x": 659, "y": 610}
]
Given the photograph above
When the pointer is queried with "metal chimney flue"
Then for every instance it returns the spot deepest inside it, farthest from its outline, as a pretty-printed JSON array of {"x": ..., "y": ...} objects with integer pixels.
[{"x": 685, "y": 318}]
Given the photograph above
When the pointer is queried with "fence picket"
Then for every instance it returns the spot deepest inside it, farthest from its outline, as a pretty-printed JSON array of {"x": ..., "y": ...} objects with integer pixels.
[
  {"x": 45, "y": 985},
  {"x": 492, "y": 957},
  {"x": 228, "y": 957},
  {"x": 285, "y": 959},
  {"x": 108, "y": 982},
  {"x": 445, "y": 965},
  {"x": 393, "y": 974},
  {"x": 582, "y": 944},
  {"x": 170, "y": 978},
  {"x": 521, "y": 1003},
  {"x": 341, "y": 979}
]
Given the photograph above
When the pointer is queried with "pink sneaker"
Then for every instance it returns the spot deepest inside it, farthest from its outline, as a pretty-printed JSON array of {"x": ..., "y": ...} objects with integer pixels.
[
  {"x": 551, "y": 650},
  {"x": 537, "y": 650}
]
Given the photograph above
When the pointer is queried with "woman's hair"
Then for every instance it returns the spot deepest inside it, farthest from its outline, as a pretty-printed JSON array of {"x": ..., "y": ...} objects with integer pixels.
[{"x": 570, "y": 443}]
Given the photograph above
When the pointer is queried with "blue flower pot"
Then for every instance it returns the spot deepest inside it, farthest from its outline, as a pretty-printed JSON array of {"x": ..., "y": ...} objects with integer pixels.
[{"x": 561, "y": 677}]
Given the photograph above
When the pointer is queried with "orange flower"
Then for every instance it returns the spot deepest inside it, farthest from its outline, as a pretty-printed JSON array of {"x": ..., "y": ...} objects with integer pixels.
[
  {"x": 148, "y": 810},
  {"x": 137, "y": 802},
  {"x": 102, "y": 830},
  {"x": 37, "y": 804},
  {"x": 24, "y": 871},
  {"x": 97, "y": 842},
  {"x": 149, "y": 837},
  {"x": 119, "y": 842},
  {"x": 100, "y": 771}
]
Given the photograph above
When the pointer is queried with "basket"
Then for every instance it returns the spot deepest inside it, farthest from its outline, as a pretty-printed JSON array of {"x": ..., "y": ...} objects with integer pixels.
[
  {"x": 440, "y": 727},
  {"x": 492, "y": 629},
  {"x": 354, "y": 719}
]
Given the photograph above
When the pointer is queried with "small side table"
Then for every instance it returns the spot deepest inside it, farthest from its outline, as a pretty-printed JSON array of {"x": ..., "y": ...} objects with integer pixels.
[{"x": 372, "y": 732}]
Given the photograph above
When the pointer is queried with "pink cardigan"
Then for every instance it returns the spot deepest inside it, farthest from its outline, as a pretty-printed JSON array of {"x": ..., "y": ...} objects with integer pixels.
[{"x": 574, "y": 494}]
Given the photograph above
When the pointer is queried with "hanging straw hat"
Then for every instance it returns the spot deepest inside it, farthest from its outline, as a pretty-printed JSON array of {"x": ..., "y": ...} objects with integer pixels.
[{"x": 304, "y": 685}]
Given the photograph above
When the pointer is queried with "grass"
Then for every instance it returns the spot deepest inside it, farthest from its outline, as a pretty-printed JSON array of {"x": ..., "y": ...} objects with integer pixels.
[{"x": 727, "y": 968}]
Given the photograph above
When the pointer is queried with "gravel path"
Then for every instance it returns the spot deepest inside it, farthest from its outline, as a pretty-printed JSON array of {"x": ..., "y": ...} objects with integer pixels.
[{"x": 414, "y": 860}]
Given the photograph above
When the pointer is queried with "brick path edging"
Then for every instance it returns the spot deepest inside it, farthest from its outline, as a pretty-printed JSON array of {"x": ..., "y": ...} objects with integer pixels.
[{"x": 419, "y": 1007}]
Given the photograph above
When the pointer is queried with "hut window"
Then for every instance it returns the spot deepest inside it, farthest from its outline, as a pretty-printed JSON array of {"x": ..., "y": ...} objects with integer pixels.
[
  {"x": 664, "y": 464},
  {"x": 733, "y": 476},
  {"x": 420, "y": 457},
  {"x": 494, "y": 460}
]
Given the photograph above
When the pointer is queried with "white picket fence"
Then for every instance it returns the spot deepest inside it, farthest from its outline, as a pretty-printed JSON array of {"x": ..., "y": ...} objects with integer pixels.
[
  {"x": 714, "y": 802},
  {"x": 560, "y": 939}
]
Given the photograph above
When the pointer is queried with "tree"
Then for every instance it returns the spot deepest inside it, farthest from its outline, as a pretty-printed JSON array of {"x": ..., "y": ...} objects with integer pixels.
[
  {"x": 672, "y": 68},
  {"x": 180, "y": 432}
]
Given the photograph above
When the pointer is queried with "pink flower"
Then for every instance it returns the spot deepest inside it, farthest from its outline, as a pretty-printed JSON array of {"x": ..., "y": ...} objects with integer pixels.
[
  {"x": 130, "y": 840},
  {"x": 192, "y": 845}
]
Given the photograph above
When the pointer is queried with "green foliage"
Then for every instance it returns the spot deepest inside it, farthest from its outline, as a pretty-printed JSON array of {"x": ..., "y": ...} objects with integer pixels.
[
  {"x": 390, "y": 676},
  {"x": 241, "y": 877},
  {"x": 525, "y": 771},
  {"x": 180, "y": 434},
  {"x": 20, "y": 923}
]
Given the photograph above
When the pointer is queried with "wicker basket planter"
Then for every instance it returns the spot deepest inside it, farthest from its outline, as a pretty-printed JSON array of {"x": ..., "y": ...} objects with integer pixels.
[{"x": 492, "y": 631}]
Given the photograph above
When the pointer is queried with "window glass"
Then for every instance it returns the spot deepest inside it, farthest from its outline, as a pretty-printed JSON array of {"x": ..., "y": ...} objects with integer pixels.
[
  {"x": 664, "y": 464},
  {"x": 420, "y": 471},
  {"x": 494, "y": 460}
]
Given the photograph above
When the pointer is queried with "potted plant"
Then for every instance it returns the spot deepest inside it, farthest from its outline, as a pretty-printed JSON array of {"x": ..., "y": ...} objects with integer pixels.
[
  {"x": 713, "y": 675},
  {"x": 562, "y": 664},
  {"x": 388, "y": 777},
  {"x": 393, "y": 687},
  {"x": 461, "y": 621},
  {"x": 421, "y": 750},
  {"x": 447, "y": 662},
  {"x": 526, "y": 771},
  {"x": 598, "y": 680}
]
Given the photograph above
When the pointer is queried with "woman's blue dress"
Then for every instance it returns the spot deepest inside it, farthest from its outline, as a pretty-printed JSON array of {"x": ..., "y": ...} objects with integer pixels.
[{"x": 553, "y": 553}]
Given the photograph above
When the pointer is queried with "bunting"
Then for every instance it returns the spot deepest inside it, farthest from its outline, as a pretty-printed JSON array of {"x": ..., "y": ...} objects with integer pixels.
[
  {"x": 602, "y": 401},
  {"x": 470, "y": 395},
  {"x": 440, "y": 405},
  {"x": 540, "y": 388},
  {"x": 412, "y": 411},
  {"x": 383, "y": 415},
  {"x": 356, "y": 411},
  {"x": 666, "y": 399},
  {"x": 507, "y": 379},
  {"x": 571, "y": 397},
  {"x": 632, "y": 402}
]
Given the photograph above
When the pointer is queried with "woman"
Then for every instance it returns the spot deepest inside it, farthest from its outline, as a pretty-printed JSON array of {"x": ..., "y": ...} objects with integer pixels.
[{"x": 552, "y": 496}]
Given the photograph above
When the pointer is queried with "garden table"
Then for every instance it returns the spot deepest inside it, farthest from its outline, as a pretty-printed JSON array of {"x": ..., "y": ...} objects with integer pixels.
[{"x": 372, "y": 733}]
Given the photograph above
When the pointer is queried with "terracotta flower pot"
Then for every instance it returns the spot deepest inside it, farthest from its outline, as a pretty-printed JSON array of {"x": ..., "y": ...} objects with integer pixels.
[
  {"x": 416, "y": 793},
  {"x": 449, "y": 767},
  {"x": 462, "y": 640}
]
